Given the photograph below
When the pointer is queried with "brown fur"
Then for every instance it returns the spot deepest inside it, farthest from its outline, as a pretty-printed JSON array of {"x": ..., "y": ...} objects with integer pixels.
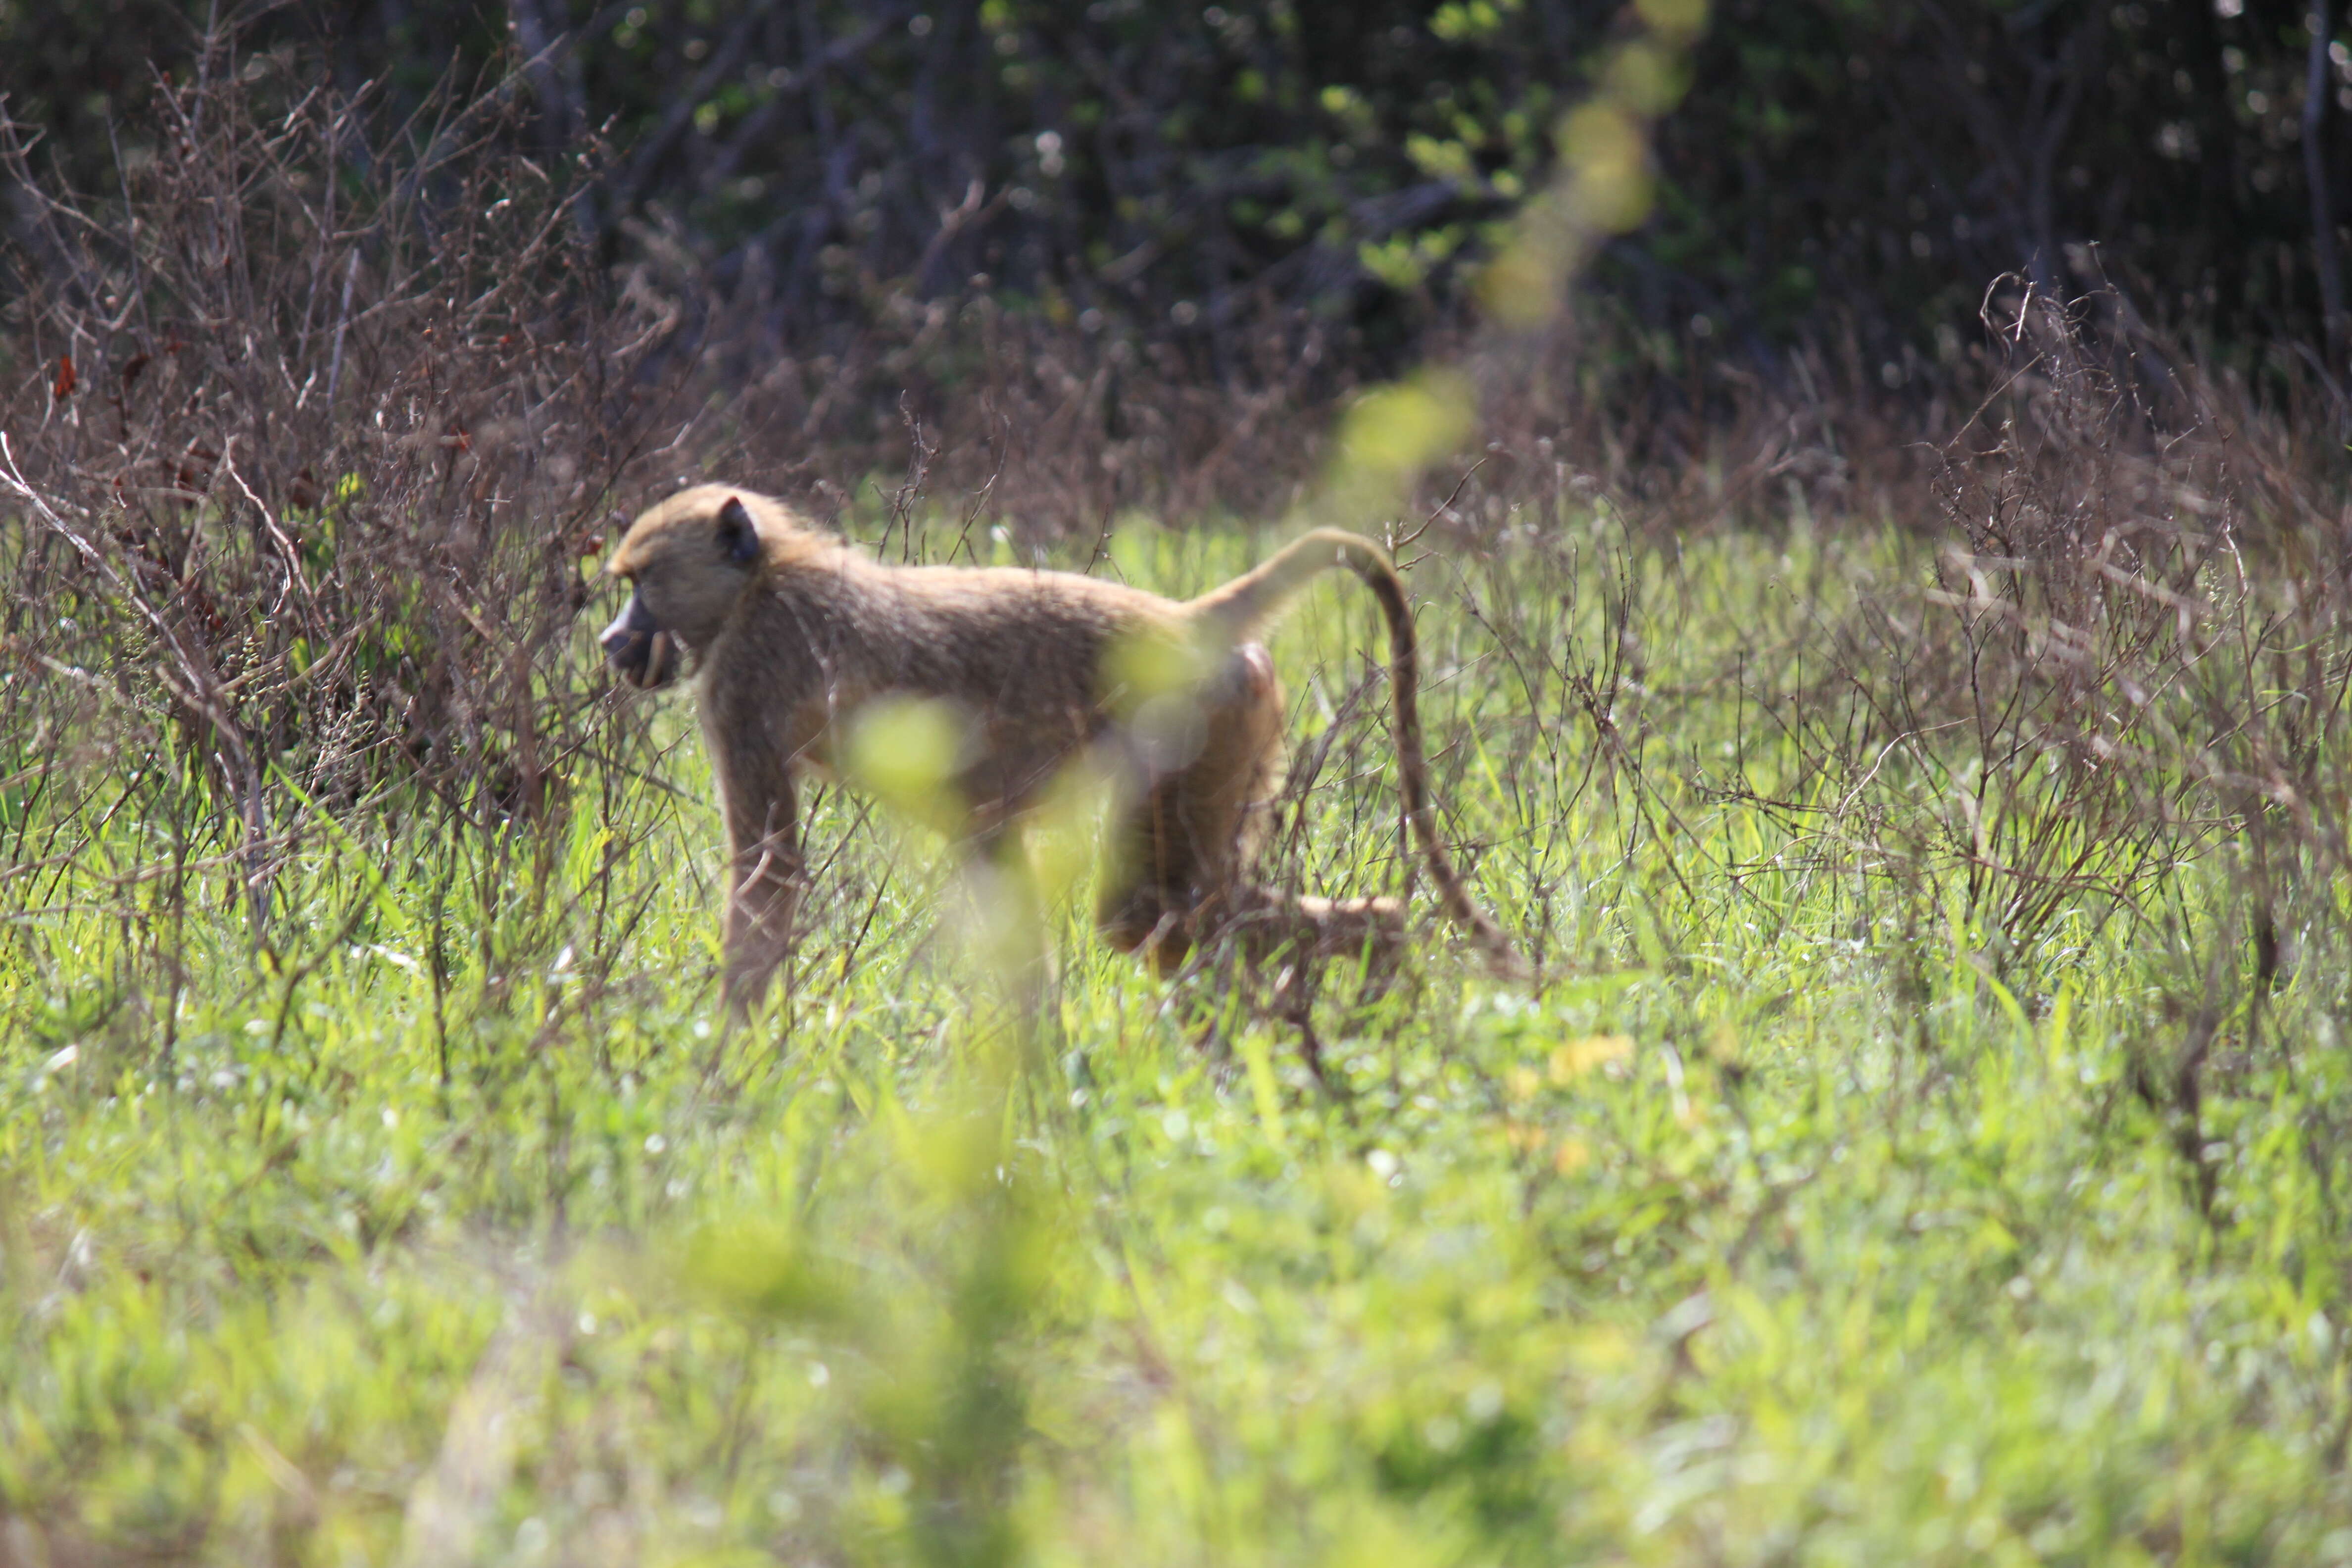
[{"x": 795, "y": 630}]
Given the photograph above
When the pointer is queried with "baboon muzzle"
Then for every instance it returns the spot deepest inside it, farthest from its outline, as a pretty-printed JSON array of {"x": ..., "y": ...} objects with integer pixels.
[{"x": 641, "y": 653}]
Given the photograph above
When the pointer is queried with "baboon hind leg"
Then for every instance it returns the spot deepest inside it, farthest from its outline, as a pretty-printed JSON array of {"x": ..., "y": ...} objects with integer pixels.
[{"x": 1181, "y": 856}]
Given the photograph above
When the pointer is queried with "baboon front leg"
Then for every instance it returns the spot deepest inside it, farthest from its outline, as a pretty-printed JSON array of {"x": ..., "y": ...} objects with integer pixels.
[{"x": 764, "y": 875}]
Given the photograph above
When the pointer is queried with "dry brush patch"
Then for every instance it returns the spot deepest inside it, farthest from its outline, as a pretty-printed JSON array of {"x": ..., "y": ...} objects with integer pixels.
[{"x": 311, "y": 423}]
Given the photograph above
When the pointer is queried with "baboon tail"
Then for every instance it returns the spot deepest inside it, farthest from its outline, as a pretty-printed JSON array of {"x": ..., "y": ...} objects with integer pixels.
[{"x": 1241, "y": 606}]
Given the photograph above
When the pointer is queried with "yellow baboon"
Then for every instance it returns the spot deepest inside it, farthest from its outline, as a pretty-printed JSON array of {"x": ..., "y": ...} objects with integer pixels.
[{"x": 796, "y": 632}]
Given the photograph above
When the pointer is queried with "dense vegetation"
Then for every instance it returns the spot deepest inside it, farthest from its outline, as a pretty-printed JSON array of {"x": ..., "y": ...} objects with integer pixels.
[
  {"x": 1191, "y": 179},
  {"x": 1926, "y": 1140},
  {"x": 1925, "y": 1145}
]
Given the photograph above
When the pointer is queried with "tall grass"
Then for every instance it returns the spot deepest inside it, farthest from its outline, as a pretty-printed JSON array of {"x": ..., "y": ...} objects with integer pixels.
[
  {"x": 1828, "y": 1200},
  {"x": 1926, "y": 1142}
]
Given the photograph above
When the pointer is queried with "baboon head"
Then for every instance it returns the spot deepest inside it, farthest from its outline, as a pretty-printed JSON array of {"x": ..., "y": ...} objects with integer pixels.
[{"x": 687, "y": 561}]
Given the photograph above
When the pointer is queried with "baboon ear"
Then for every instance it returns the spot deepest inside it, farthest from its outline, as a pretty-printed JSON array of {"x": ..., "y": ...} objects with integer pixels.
[{"x": 738, "y": 537}]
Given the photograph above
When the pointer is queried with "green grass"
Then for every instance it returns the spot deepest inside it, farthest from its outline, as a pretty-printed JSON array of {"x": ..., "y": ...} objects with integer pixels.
[{"x": 1781, "y": 1225}]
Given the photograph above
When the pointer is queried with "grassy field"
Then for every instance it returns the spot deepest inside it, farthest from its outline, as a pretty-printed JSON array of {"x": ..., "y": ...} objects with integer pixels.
[{"x": 1911, "y": 1155}]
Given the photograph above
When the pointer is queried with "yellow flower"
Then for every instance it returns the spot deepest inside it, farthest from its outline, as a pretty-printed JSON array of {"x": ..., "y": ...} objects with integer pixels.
[
  {"x": 1574, "y": 1059},
  {"x": 1526, "y": 1136}
]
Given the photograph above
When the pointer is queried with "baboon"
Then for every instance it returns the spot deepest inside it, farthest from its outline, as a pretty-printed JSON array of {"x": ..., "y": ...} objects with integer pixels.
[{"x": 795, "y": 632}]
